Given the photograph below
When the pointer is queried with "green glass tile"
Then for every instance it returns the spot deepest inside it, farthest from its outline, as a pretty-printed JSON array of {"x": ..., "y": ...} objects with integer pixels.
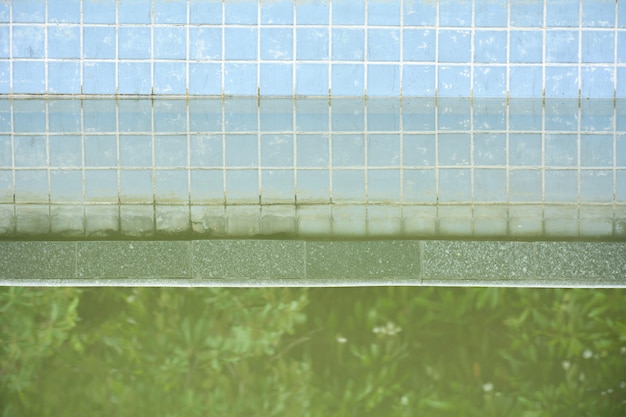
[{"x": 37, "y": 260}]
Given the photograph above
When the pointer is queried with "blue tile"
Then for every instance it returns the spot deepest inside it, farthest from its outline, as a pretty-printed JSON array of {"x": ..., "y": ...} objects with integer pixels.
[
  {"x": 348, "y": 44},
  {"x": 277, "y": 151},
  {"x": 134, "y": 78},
  {"x": 383, "y": 115},
  {"x": 135, "y": 151},
  {"x": 348, "y": 150},
  {"x": 99, "y": 115},
  {"x": 383, "y": 185},
  {"x": 313, "y": 13},
  {"x": 31, "y": 186},
  {"x": 597, "y": 82},
  {"x": 596, "y": 150},
  {"x": 490, "y": 149},
  {"x": 527, "y": 13},
  {"x": 30, "y": 152},
  {"x": 597, "y": 115},
  {"x": 101, "y": 151},
  {"x": 561, "y": 82},
  {"x": 621, "y": 15},
  {"x": 562, "y": 46},
  {"x": 64, "y": 77},
  {"x": 383, "y": 45},
  {"x": 312, "y": 79},
  {"x": 490, "y": 46},
  {"x": 276, "y": 79},
  {"x": 348, "y": 115},
  {"x": 242, "y": 186},
  {"x": 240, "y": 79},
  {"x": 240, "y": 43},
  {"x": 562, "y": 13},
  {"x": 312, "y": 115},
  {"x": 313, "y": 186},
  {"x": 205, "y": 12},
  {"x": 277, "y": 13},
  {"x": 490, "y": 114},
  {"x": 136, "y": 186},
  {"x": 170, "y": 42},
  {"x": 596, "y": 186},
  {"x": 525, "y": 185},
  {"x": 621, "y": 45},
  {"x": 312, "y": 151},
  {"x": 205, "y": 115},
  {"x": 383, "y": 80},
  {"x": 101, "y": 186},
  {"x": 134, "y": 42},
  {"x": 490, "y": 185},
  {"x": 312, "y": 43},
  {"x": 5, "y": 152},
  {"x": 276, "y": 43},
  {"x": 171, "y": 186},
  {"x": 66, "y": 151},
  {"x": 418, "y": 80},
  {"x": 29, "y": 116},
  {"x": 135, "y": 115},
  {"x": 97, "y": 11},
  {"x": 99, "y": 42},
  {"x": 241, "y": 150},
  {"x": 598, "y": 47},
  {"x": 383, "y": 150},
  {"x": 561, "y": 150},
  {"x": 205, "y": 78},
  {"x": 454, "y": 113},
  {"x": 526, "y": 46},
  {"x": 455, "y": 185},
  {"x": 5, "y": 44},
  {"x": 620, "y": 186},
  {"x": 206, "y": 186},
  {"x": 170, "y": 116},
  {"x": 418, "y": 45},
  {"x": 419, "y": 186},
  {"x": 134, "y": 11},
  {"x": 276, "y": 115},
  {"x": 525, "y": 81},
  {"x": 454, "y": 81},
  {"x": 348, "y": 12},
  {"x": 489, "y": 81},
  {"x": 205, "y": 43},
  {"x": 29, "y": 11},
  {"x": 348, "y": 80},
  {"x": 64, "y": 116},
  {"x": 348, "y": 185},
  {"x": 28, "y": 42},
  {"x": 561, "y": 186},
  {"x": 168, "y": 11},
  {"x": 241, "y": 12},
  {"x": 455, "y": 13},
  {"x": 598, "y": 13},
  {"x": 621, "y": 82},
  {"x": 561, "y": 115},
  {"x": 205, "y": 151},
  {"x": 66, "y": 11},
  {"x": 170, "y": 151},
  {"x": 418, "y": 114},
  {"x": 98, "y": 77},
  {"x": 28, "y": 77},
  {"x": 64, "y": 42},
  {"x": 454, "y": 149},
  {"x": 454, "y": 46},
  {"x": 5, "y": 115},
  {"x": 66, "y": 186},
  {"x": 491, "y": 13},
  {"x": 383, "y": 13},
  {"x": 5, "y": 8},
  {"x": 170, "y": 78},
  {"x": 419, "y": 150},
  {"x": 420, "y": 13},
  {"x": 620, "y": 151},
  {"x": 525, "y": 149},
  {"x": 241, "y": 115},
  {"x": 277, "y": 185}
]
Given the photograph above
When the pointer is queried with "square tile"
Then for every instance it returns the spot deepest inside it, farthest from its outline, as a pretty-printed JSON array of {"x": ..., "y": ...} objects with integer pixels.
[
  {"x": 313, "y": 13},
  {"x": 170, "y": 78},
  {"x": 454, "y": 46},
  {"x": 135, "y": 151},
  {"x": 64, "y": 77},
  {"x": 65, "y": 151},
  {"x": 490, "y": 149},
  {"x": 526, "y": 46},
  {"x": 241, "y": 115},
  {"x": 383, "y": 115},
  {"x": 173, "y": 219},
  {"x": 561, "y": 82},
  {"x": 5, "y": 152},
  {"x": 30, "y": 151},
  {"x": 348, "y": 185},
  {"x": 348, "y": 12},
  {"x": 64, "y": 42},
  {"x": 240, "y": 79},
  {"x": 562, "y": 46},
  {"x": 28, "y": 41},
  {"x": 312, "y": 79},
  {"x": 205, "y": 151},
  {"x": 383, "y": 150},
  {"x": 99, "y": 116},
  {"x": 490, "y": 185},
  {"x": 167, "y": 11},
  {"x": 29, "y": 77},
  {"x": 277, "y": 13},
  {"x": 242, "y": 186},
  {"x": 420, "y": 13},
  {"x": 383, "y": 80},
  {"x": 98, "y": 77},
  {"x": 135, "y": 115},
  {"x": 348, "y": 150},
  {"x": 240, "y": 43},
  {"x": 205, "y": 114},
  {"x": 525, "y": 149},
  {"x": 419, "y": 186},
  {"x": 454, "y": 149},
  {"x": 383, "y": 13},
  {"x": 596, "y": 150},
  {"x": 454, "y": 81},
  {"x": 596, "y": 186},
  {"x": 29, "y": 116},
  {"x": 205, "y": 78},
  {"x": 277, "y": 186},
  {"x": 241, "y": 150},
  {"x": 29, "y": 11},
  {"x": 170, "y": 42},
  {"x": 562, "y": 13},
  {"x": 419, "y": 150},
  {"x": 561, "y": 115},
  {"x": 312, "y": 115},
  {"x": 276, "y": 44},
  {"x": 66, "y": 186},
  {"x": 417, "y": 45},
  {"x": 241, "y": 13},
  {"x": 205, "y": 43},
  {"x": 134, "y": 42},
  {"x": 31, "y": 186},
  {"x": 312, "y": 150},
  {"x": 64, "y": 116},
  {"x": 490, "y": 14},
  {"x": 455, "y": 185},
  {"x": 276, "y": 79},
  {"x": 134, "y": 78},
  {"x": 99, "y": 42},
  {"x": 313, "y": 186},
  {"x": 525, "y": 185},
  {"x": 526, "y": 14},
  {"x": 101, "y": 220},
  {"x": 137, "y": 220},
  {"x": 276, "y": 115},
  {"x": 383, "y": 185},
  {"x": 134, "y": 11},
  {"x": 170, "y": 151},
  {"x": 96, "y": 11},
  {"x": 383, "y": 45},
  {"x": 277, "y": 150},
  {"x": 311, "y": 43},
  {"x": 597, "y": 82},
  {"x": 526, "y": 82},
  {"x": 349, "y": 221},
  {"x": 455, "y": 14},
  {"x": 597, "y": 115},
  {"x": 170, "y": 116},
  {"x": 348, "y": 44},
  {"x": 490, "y": 113},
  {"x": 418, "y": 80},
  {"x": 598, "y": 46},
  {"x": 207, "y": 186},
  {"x": 348, "y": 115},
  {"x": 136, "y": 186},
  {"x": 348, "y": 79},
  {"x": 561, "y": 150},
  {"x": 561, "y": 186},
  {"x": 101, "y": 186},
  {"x": 454, "y": 114},
  {"x": 205, "y": 12},
  {"x": 489, "y": 81},
  {"x": 171, "y": 186},
  {"x": 598, "y": 14},
  {"x": 490, "y": 46}
]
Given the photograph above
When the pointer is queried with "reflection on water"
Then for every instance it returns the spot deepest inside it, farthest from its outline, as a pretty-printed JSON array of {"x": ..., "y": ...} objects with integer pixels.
[{"x": 393, "y": 351}]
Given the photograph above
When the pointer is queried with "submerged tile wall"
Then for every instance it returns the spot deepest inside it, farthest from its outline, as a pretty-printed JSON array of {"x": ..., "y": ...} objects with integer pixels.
[{"x": 447, "y": 48}]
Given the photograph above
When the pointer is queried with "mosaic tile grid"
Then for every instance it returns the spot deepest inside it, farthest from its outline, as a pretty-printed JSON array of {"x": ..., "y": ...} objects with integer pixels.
[{"x": 445, "y": 48}]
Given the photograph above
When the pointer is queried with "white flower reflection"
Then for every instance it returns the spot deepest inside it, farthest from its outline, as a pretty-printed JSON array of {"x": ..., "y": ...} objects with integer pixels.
[{"x": 389, "y": 329}]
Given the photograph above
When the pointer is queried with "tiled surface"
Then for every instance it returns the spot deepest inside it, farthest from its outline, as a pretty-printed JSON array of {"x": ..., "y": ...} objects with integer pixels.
[
  {"x": 313, "y": 263},
  {"x": 137, "y": 167},
  {"x": 481, "y": 48}
]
